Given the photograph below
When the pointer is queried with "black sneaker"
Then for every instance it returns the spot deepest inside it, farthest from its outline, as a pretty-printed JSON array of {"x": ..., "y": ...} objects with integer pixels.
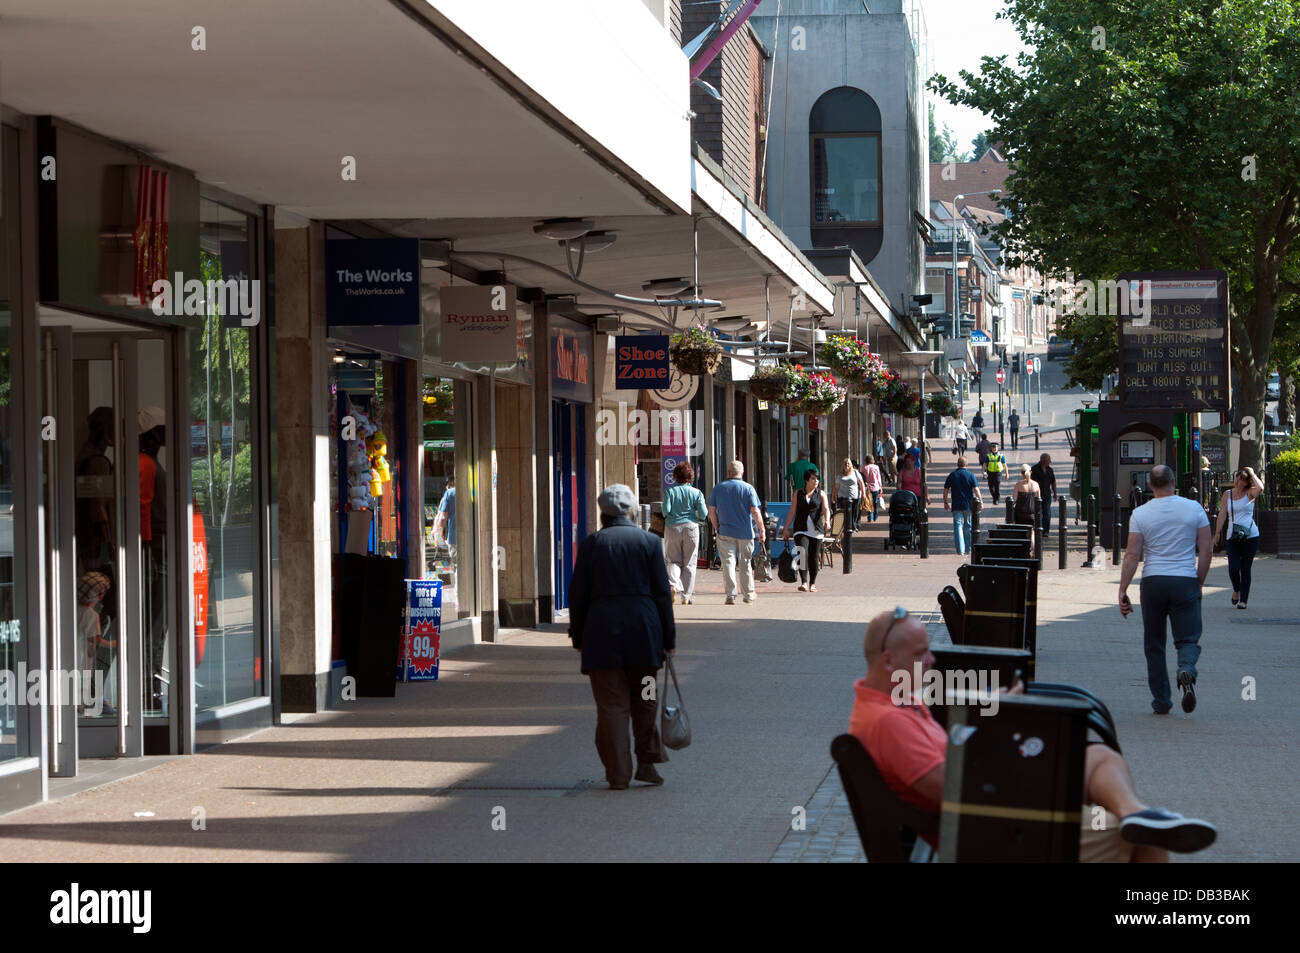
[
  {"x": 1189, "y": 691},
  {"x": 648, "y": 774},
  {"x": 1156, "y": 827}
]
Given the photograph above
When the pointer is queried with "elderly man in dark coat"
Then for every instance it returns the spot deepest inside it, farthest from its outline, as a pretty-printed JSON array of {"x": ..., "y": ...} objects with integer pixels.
[{"x": 621, "y": 620}]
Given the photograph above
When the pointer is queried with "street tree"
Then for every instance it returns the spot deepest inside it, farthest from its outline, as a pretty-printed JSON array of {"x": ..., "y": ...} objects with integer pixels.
[
  {"x": 943, "y": 145},
  {"x": 1155, "y": 134}
]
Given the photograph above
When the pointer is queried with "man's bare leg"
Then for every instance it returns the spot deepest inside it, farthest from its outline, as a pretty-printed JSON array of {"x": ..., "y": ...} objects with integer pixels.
[{"x": 1107, "y": 782}]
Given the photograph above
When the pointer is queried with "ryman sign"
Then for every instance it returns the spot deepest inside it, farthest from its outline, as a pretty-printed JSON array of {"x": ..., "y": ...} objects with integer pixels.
[
  {"x": 1173, "y": 353},
  {"x": 478, "y": 324}
]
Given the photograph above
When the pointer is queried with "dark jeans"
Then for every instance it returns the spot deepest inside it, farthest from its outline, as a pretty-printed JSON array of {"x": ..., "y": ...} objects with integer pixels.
[
  {"x": 875, "y": 506},
  {"x": 620, "y": 695},
  {"x": 1046, "y": 510},
  {"x": 1241, "y": 553},
  {"x": 1015, "y": 437},
  {"x": 995, "y": 486},
  {"x": 1177, "y": 600},
  {"x": 812, "y": 555},
  {"x": 961, "y": 446}
]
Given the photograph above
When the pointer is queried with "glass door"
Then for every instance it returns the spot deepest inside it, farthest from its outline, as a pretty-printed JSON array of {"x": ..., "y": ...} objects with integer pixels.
[{"x": 109, "y": 564}]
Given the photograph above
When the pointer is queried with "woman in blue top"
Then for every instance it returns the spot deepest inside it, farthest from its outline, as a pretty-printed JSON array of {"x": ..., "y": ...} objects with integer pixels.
[{"x": 683, "y": 507}]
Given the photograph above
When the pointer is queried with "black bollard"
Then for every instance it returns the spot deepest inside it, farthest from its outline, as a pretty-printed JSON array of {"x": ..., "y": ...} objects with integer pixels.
[
  {"x": 1092, "y": 529},
  {"x": 924, "y": 540},
  {"x": 1038, "y": 531},
  {"x": 1060, "y": 533},
  {"x": 1119, "y": 530},
  {"x": 1010, "y": 511},
  {"x": 1035, "y": 438},
  {"x": 847, "y": 544}
]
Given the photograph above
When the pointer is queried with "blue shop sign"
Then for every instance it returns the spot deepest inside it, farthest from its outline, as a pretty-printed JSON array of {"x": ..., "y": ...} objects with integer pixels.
[
  {"x": 372, "y": 281},
  {"x": 641, "y": 362}
]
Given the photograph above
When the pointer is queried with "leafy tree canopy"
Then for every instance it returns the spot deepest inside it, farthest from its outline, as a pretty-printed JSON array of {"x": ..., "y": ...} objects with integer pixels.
[{"x": 1155, "y": 134}]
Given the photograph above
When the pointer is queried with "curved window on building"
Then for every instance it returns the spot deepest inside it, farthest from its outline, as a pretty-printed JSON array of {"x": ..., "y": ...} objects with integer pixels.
[{"x": 844, "y": 129}]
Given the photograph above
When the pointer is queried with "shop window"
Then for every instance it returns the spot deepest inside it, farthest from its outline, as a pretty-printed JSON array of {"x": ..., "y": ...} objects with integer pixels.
[
  {"x": 366, "y": 467},
  {"x": 448, "y": 494},
  {"x": 228, "y": 644},
  {"x": 14, "y": 634}
]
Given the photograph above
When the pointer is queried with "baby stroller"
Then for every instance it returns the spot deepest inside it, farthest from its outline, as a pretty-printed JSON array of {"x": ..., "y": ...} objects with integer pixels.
[{"x": 904, "y": 514}]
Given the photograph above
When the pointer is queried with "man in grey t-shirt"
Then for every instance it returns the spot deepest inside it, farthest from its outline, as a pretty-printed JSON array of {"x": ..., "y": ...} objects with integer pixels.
[{"x": 1173, "y": 535}]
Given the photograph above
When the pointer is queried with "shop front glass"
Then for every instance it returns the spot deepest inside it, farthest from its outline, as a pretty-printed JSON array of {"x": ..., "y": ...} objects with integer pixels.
[
  {"x": 448, "y": 494},
  {"x": 13, "y": 727},
  {"x": 365, "y": 463},
  {"x": 227, "y": 649}
]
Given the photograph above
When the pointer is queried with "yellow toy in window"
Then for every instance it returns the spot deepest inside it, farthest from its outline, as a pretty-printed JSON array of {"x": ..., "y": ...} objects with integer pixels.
[{"x": 377, "y": 447}]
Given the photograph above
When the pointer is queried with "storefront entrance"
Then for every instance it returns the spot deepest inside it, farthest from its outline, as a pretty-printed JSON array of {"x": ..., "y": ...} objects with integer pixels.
[
  {"x": 570, "y": 509},
  {"x": 112, "y": 538}
]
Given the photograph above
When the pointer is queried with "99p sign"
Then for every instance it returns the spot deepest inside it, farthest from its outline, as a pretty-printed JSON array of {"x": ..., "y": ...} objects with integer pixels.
[{"x": 418, "y": 659}]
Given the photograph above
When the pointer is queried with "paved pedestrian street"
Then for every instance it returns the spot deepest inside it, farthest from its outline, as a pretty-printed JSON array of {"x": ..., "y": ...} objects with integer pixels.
[{"x": 495, "y": 761}]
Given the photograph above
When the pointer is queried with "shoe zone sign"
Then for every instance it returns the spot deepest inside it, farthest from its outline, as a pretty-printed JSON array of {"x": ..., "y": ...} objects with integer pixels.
[
  {"x": 372, "y": 281},
  {"x": 641, "y": 362}
]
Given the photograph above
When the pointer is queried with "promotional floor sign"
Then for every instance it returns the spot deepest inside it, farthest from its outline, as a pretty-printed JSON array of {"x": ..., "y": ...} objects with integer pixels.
[{"x": 418, "y": 659}]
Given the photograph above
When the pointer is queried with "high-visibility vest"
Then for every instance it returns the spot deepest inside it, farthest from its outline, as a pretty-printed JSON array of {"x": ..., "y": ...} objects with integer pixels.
[{"x": 996, "y": 464}]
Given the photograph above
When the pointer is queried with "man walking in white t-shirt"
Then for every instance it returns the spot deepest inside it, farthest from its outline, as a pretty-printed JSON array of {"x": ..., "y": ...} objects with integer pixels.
[{"x": 1173, "y": 535}]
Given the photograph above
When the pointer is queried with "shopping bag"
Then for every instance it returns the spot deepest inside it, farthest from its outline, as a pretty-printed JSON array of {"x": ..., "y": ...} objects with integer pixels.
[
  {"x": 785, "y": 566},
  {"x": 674, "y": 726}
]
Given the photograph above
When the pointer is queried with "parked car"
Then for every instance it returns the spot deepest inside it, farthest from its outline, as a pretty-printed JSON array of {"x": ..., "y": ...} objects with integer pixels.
[
  {"x": 1058, "y": 347},
  {"x": 1274, "y": 386}
]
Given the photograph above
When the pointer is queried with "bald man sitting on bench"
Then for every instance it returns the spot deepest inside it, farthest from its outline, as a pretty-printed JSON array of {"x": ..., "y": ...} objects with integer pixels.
[{"x": 909, "y": 748}]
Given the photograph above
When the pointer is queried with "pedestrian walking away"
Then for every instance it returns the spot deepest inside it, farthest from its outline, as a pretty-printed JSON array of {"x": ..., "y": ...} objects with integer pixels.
[
  {"x": 1023, "y": 495},
  {"x": 965, "y": 492},
  {"x": 684, "y": 509},
  {"x": 796, "y": 471},
  {"x": 995, "y": 465},
  {"x": 736, "y": 518},
  {"x": 1237, "y": 529},
  {"x": 849, "y": 491},
  {"x": 1043, "y": 474},
  {"x": 977, "y": 424},
  {"x": 621, "y": 620},
  {"x": 809, "y": 519},
  {"x": 1013, "y": 423},
  {"x": 982, "y": 447},
  {"x": 959, "y": 436},
  {"x": 890, "y": 460},
  {"x": 1172, "y": 536},
  {"x": 875, "y": 485}
]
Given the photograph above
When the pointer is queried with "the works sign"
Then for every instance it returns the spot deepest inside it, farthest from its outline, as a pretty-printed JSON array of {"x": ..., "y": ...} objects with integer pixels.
[
  {"x": 478, "y": 324},
  {"x": 570, "y": 346},
  {"x": 372, "y": 281},
  {"x": 641, "y": 362},
  {"x": 1173, "y": 352}
]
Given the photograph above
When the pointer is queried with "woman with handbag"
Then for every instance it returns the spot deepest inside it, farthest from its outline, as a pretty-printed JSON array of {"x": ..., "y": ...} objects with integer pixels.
[
  {"x": 1237, "y": 519},
  {"x": 811, "y": 515},
  {"x": 684, "y": 510},
  {"x": 849, "y": 491},
  {"x": 871, "y": 478}
]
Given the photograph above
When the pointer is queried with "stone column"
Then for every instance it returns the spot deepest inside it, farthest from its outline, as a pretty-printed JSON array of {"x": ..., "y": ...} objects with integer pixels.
[
  {"x": 489, "y": 556},
  {"x": 302, "y": 443},
  {"x": 544, "y": 466},
  {"x": 517, "y": 571}
]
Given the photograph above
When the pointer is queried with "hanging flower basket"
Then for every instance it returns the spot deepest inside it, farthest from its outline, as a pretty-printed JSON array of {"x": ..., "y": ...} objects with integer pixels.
[
  {"x": 821, "y": 395},
  {"x": 943, "y": 405},
  {"x": 772, "y": 383},
  {"x": 695, "y": 351},
  {"x": 858, "y": 369}
]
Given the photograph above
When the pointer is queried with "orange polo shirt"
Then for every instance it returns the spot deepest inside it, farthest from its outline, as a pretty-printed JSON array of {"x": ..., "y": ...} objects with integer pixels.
[{"x": 904, "y": 740}]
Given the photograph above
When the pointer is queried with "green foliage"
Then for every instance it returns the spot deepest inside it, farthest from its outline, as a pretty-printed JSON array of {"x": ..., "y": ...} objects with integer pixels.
[
  {"x": 1173, "y": 144},
  {"x": 1286, "y": 472},
  {"x": 943, "y": 146},
  {"x": 979, "y": 145},
  {"x": 1096, "y": 348}
]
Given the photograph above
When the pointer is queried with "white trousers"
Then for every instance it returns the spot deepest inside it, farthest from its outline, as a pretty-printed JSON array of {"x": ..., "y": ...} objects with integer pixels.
[
  {"x": 681, "y": 552},
  {"x": 733, "y": 551}
]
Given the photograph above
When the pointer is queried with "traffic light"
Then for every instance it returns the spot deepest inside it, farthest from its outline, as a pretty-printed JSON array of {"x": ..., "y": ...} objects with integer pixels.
[{"x": 1015, "y": 364}]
